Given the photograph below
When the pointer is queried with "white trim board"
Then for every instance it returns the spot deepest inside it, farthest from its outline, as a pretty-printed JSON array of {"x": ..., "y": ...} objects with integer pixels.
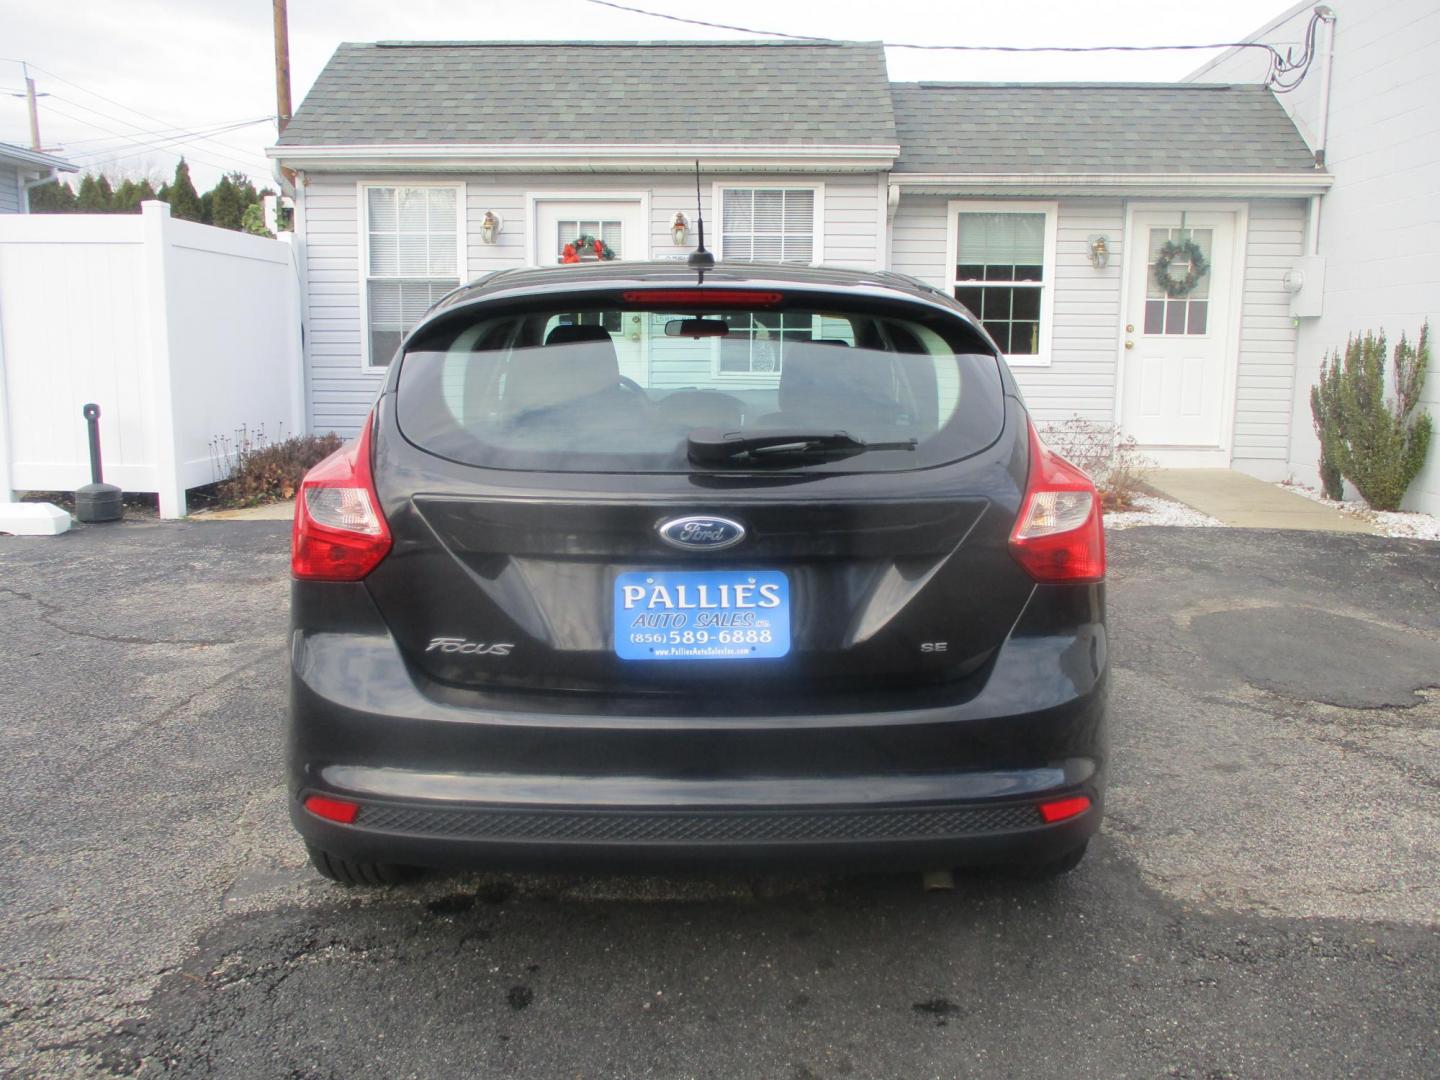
[
  {"x": 587, "y": 157},
  {"x": 1166, "y": 185}
]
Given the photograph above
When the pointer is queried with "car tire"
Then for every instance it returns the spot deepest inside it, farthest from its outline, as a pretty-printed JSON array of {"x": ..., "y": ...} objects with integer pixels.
[{"x": 365, "y": 874}]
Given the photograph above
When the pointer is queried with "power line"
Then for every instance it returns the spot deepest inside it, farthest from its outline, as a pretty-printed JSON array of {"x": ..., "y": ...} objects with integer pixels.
[
  {"x": 207, "y": 129},
  {"x": 163, "y": 141},
  {"x": 1278, "y": 64},
  {"x": 127, "y": 108},
  {"x": 183, "y": 137},
  {"x": 149, "y": 143}
]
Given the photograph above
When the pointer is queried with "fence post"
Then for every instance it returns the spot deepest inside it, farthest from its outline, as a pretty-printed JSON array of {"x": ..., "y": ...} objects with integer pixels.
[
  {"x": 155, "y": 218},
  {"x": 294, "y": 318},
  {"x": 7, "y": 493}
]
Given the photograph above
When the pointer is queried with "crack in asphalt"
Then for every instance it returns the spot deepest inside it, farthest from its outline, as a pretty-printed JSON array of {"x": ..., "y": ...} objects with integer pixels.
[
  {"x": 108, "y": 751},
  {"x": 49, "y": 614}
]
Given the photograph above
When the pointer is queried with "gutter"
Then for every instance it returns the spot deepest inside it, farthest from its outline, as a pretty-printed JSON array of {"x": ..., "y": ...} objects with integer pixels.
[
  {"x": 1272, "y": 185},
  {"x": 585, "y": 157}
]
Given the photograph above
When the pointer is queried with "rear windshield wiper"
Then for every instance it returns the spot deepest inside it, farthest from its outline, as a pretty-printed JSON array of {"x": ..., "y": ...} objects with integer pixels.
[{"x": 708, "y": 446}]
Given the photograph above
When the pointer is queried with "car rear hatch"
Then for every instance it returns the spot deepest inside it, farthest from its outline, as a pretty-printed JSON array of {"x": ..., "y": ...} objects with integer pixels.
[{"x": 720, "y": 495}]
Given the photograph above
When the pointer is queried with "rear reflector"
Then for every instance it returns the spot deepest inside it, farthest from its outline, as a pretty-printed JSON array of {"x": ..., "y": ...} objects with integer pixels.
[
  {"x": 1062, "y": 809},
  {"x": 340, "y": 534},
  {"x": 1059, "y": 535},
  {"x": 704, "y": 298},
  {"x": 332, "y": 809}
]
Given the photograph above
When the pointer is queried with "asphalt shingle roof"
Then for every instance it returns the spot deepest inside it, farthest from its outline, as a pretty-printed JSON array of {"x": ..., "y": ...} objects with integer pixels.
[
  {"x": 1094, "y": 127},
  {"x": 599, "y": 92}
]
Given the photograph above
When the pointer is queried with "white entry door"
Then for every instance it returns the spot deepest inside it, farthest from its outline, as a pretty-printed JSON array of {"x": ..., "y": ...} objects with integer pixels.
[
  {"x": 1177, "y": 368},
  {"x": 620, "y": 226}
]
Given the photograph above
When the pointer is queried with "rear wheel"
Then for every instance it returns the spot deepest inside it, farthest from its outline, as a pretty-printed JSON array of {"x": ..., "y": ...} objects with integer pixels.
[{"x": 349, "y": 872}]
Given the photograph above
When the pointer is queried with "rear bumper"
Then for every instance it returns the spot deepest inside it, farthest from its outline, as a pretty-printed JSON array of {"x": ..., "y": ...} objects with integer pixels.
[
  {"x": 902, "y": 836},
  {"x": 470, "y": 779}
]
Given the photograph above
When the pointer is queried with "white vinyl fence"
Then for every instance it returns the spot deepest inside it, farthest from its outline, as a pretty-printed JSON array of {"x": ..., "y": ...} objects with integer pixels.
[{"x": 181, "y": 333}]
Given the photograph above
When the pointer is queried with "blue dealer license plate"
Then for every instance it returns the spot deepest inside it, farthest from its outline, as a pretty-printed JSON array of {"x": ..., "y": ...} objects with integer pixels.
[{"x": 702, "y": 615}]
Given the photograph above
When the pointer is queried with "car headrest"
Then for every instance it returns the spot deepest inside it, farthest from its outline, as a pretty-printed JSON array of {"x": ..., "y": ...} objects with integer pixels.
[
  {"x": 574, "y": 362},
  {"x": 567, "y": 334},
  {"x": 818, "y": 378}
]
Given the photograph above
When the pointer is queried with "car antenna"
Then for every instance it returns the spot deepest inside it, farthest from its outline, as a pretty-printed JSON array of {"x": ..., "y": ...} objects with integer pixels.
[{"x": 700, "y": 259}]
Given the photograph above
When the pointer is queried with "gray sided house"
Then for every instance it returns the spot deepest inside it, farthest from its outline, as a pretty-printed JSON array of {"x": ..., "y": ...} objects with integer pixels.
[
  {"x": 22, "y": 169},
  {"x": 1050, "y": 210}
]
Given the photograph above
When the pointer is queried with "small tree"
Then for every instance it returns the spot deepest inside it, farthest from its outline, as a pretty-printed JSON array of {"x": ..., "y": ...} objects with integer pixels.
[
  {"x": 1378, "y": 444},
  {"x": 226, "y": 209},
  {"x": 52, "y": 198},
  {"x": 95, "y": 197},
  {"x": 130, "y": 194},
  {"x": 254, "y": 220},
  {"x": 181, "y": 195}
]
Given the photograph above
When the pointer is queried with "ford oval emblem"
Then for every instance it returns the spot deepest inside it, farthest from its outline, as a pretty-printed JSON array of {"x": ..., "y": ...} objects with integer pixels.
[{"x": 701, "y": 533}]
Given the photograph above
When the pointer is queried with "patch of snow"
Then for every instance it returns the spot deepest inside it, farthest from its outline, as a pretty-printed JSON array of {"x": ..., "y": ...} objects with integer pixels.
[
  {"x": 1150, "y": 510},
  {"x": 1406, "y": 526}
]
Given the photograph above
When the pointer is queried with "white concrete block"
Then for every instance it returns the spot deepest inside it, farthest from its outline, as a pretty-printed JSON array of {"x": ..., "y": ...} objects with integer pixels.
[{"x": 33, "y": 519}]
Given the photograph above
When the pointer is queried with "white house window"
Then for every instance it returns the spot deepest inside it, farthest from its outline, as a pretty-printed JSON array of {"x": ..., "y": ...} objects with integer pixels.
[
  {"x": 769, "y": 224},
  {"x": 756, "y": 342},
  {"x": 412, "y": 243},
  {"x": 1003, "y": 268}
]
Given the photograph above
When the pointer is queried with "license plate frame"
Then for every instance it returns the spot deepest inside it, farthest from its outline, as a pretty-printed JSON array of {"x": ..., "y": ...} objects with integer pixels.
[{"x": 661, "y": 615}]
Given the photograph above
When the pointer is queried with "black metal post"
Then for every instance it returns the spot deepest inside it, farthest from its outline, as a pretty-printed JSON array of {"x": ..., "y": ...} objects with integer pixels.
[
  {"x": 97, "y": 500},
  {"x": 91, "y": 413}
]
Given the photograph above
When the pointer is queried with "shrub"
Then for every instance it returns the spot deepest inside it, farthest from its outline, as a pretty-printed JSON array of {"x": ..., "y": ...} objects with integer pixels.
[
  {"x": 257, "y": 470},
  {"x": 1377, "y": 443},
  {"x": 1114, "y": 463}
]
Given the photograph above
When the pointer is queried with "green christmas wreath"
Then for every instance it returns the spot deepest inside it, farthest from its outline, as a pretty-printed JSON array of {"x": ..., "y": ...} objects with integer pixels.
[
  {"x": 586, "y": 243},
  {"x": 1172, "y": 250}
]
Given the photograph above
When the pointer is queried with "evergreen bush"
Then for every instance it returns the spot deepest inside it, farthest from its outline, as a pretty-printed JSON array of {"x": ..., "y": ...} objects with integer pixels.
[{"x": 1376, "y": 442}]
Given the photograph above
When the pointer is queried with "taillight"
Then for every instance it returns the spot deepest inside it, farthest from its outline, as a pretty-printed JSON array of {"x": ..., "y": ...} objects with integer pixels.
[
  {"x": 340, "y": 534},
  {"x": 340, "y": 810},
  {"x": 1064, "y": 809},
  {"x": 1059, "y": 535}
]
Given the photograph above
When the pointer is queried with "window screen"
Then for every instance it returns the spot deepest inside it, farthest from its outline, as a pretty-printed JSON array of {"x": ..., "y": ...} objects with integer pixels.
[{"x": 412, "y": 240}]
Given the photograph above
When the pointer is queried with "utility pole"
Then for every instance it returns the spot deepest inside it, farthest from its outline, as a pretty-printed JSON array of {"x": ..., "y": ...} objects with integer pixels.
[
  {"x": 282, "y": 66},
  {"x": 34, "y": 112}
]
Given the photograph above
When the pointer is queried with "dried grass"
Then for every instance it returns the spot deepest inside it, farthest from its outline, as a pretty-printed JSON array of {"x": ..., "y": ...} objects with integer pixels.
[{"x": 256, "y": 470}]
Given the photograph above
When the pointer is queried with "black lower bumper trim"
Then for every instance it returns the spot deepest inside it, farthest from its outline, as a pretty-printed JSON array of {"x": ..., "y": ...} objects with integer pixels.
[{"x": 696, "y": 826}]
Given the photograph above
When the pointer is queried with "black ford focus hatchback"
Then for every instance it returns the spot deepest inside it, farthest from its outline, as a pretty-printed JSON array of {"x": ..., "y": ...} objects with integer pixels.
[{"x": 632, "y": 565}]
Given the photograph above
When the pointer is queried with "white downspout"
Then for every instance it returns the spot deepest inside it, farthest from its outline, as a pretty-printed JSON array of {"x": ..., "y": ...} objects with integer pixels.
[
  {"x": 1327, "y": 57},
  {"x": 1322, "y": 123},
  {"x": 26, "y": 185}
]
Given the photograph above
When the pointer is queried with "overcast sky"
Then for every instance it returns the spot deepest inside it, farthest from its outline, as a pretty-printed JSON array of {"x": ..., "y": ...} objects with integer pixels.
[{"x": 119, "y": 74}]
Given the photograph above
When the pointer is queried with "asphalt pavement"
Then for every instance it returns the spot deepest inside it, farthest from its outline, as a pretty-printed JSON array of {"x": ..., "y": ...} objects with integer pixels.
[{"x": 1262, "y": 902}]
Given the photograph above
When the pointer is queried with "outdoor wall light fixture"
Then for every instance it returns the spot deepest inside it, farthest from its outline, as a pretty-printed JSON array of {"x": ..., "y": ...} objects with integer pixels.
[
  {"x": 679, "y": 229},
  {"x": 490, "y": 226},
  {"x": 1099, "y": 252}
]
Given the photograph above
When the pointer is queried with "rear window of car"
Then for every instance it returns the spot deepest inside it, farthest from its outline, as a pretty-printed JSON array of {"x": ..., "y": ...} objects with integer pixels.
[{"x": 610, "y": 387}]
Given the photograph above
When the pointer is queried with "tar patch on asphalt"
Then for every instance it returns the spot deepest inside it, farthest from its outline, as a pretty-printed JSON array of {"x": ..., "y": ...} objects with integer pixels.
[{"x": 1315, "y": 655}]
